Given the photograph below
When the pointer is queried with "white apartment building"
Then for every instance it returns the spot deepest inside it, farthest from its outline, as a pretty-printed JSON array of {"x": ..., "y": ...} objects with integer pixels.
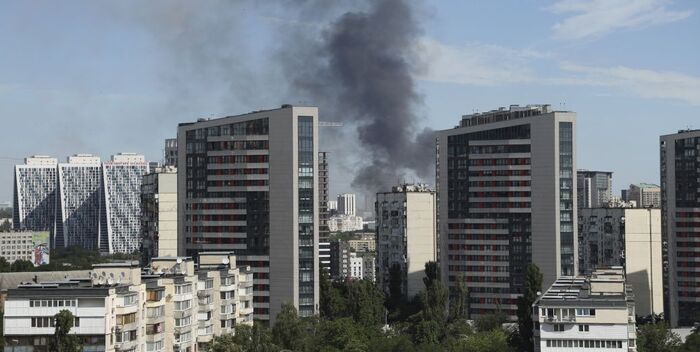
[
  {"x": 406, "y": 234},
  {"x": 248, "y": 184},
  {"x": 80, "y": 202},
  {"x": 356, "y": 270},
  {"x": 174, "y": 306},
  {"x": 122, "y": 177},
  {"x": 346, "y": 204},
  {"x": 594, "y": 188},
  {"x": 35, "y": 194},
  {"x": 345, "y": 223},
  {"x": 159, "y": 213},
  {"x": 25, "y": 245},
  {"x": 507, "y": 198},
  {"x": 630, "y": 238},
  {"x": 595, "y": 313},
  {"x": 644, "y": 195}
]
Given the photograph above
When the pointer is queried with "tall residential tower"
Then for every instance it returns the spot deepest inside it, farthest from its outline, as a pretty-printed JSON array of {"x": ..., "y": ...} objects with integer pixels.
[
  {"x": 35, "y": 194},
  {"x": 506, "y": 198},
  {"x": 594, "y": 188},
  {"x": 248, "y": 184}
]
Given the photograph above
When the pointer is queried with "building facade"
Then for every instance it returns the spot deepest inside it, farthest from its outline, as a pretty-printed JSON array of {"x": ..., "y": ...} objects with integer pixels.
[
  {"x": 581, "y": 313},
  {"x": 629, "y": 238},
  {"x": 644, "y": 195},
  {"x": 507, "y": 193},
  {"x": 35, "y": 194},
  {"x": 594, "y": 188},
  {"x": 680, "y": 225},
  {"x": 80, "y": 200},
  {"x": 122, "y": 178},
  {"x": 346, "y": 204},
  {"x": 170, "y": 152},
  {"x": 324, "y": 244},
  {"x": 159, "y": 213},
  {"x": 248, "y": 184},
  {"x": 32, "y": 246},
  {"x": 406, "y": 235}
]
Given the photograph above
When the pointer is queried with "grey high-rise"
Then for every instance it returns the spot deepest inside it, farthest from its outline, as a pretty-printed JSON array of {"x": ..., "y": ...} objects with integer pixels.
[
  {"x": 248, "y": 184},
  {"x": 324, "y": 244},
  {"x": 506, "y": 198},
  {"x": 35, "y": 194},
  {"x": 680, "y": 225},
  {"x": 594, "y": 188}
]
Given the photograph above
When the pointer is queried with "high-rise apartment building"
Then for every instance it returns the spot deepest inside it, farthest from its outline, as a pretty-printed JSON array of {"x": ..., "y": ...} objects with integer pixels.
[
  {"x": 506, "y": 198},
  {"x": 159, "y": 213},
  {"x": 629, "y": 238},
  {"x": 346, "y": 204},
  {"x": 324, "y": 244},
  {"x": 35, "y": 194},
  {"x": 248, "y": 184},
  {"x": 406, "y": 235},
  {"x": 594, "y": 188},
  {"x": 680, "y": 225},
  {"x": 170, "y": 152},
  {"x": 644, "y": 195},
  {"x": 80, "y": 199},
  {"x": 122, "y": 178}
]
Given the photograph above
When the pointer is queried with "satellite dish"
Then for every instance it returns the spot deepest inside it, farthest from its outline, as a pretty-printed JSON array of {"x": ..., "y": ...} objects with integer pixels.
[
  {"x": 110, "y": 281},
  {"x": 101, "y": 280},
  {"x": 179, "y": 260},
  {"x": 225, "y": 261}
]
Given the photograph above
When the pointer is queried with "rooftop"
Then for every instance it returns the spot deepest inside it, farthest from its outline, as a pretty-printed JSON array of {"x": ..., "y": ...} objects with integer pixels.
[
  {"x": 604, "y": 288},
  {"x": 283, "y": 106},
  {"x": 503, "y": 114}
]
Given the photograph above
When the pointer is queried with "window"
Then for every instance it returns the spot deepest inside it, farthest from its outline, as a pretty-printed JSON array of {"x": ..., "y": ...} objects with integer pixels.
[
  {"x": 559, "y": 327},
  {"x": 155, "y": 312},
  {"x": 183, "y": 321},
  {"x": 183, "y": 289},
  {"x": 183, "y": 305},
  {"x": 585, "y": 312},
  {"x": 130, "y": 300},
  {"x": 583, "y": 328}
]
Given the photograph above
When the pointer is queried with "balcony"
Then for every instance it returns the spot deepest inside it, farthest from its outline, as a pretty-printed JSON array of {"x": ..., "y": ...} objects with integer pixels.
[{"x": 126, "y": 345}]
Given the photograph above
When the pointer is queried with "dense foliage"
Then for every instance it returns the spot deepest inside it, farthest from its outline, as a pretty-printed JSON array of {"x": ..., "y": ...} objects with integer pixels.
[
  {"x": 62, "y": 340},
  {"x": 71, "y": 258}
]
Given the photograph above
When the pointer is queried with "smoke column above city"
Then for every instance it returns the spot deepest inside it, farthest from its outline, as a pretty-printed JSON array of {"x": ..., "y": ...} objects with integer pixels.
[{"x": 363, "y": 75}]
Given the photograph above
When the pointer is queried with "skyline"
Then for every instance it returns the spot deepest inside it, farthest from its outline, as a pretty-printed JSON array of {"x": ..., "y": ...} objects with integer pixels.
[{"x": 625, "y": 69}]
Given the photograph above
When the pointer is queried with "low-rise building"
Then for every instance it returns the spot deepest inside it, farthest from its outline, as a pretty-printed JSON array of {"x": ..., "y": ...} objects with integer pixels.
[
  {"x": 171, "y": 306},
  {"x": 595, "y": 312},
  {"x": 33, "y": 246}
]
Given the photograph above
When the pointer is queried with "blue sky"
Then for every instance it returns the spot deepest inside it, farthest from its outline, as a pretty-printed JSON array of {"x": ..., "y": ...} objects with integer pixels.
[{"x": 104, "y": 77}]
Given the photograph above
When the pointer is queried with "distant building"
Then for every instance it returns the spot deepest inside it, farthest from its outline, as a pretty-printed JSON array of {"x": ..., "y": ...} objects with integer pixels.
[
  {"x": 170, "y": 152},
  {"x": 81, "y": 200},
  {"x": 366, "y": 243},
  {"x": 345, "y": 223},
  {"x": 580, "y": 313},
  {"x": 249, "y": 184},
  {"x": 346, "y": 204},
  {"x": 33, "y": 246},
  {"x": 680, "y": 225},
  {"x": 159, "y": 218},
  {"x": 332, "y": 207},
  {"x": 507, "y": 197},
  {"x": 35, "y": 194},
  {"x": 369, "y": 266},
  {"x": 594, "y": 188},
  {"x": 406, "y": 234},
  {"x": 644, "y": 195},
  {"x": 355, "y": 267},
  {"x": 626, "y": 237}
]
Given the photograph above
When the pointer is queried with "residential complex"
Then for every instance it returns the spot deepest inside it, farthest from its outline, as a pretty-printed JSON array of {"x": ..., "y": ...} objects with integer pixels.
[
  {"x": 122, "y": 177},
  {"x": 249, "y": 184},
  {"x": 595, "y": 312},
  {"x": 159, "y": 213},
  {"x": 626, "y": 237},
  {"x": 680, "y": 225},
  {"x": 83, "y": 202},
  {"x": 172, "y": 306},
  {"x": 406, "y": 235},
  {"x": 644, "y": 195},
  {"x": 35, "y": 194},
  {"x": 594, "y": 188},
  {"x": 351, "y": 263},
  {"x": 506, "y": 194}
]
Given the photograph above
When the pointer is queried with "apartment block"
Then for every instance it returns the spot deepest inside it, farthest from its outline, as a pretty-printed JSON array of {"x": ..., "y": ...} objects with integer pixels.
[
  {"x": 35, "y": 194},
  {"x": 33, "y": 246},
  {"x": 680, "y": 225},
  {"x": 170, "y": 152},
  {"x": 346, "y": 204},
  {"x": 249, "y": 184},
  {"x": 171, "y": 306},
  {"x": 159, "y": 213},
  {"x": 595, "y": 312},
  {"x": 122, "y": 177},
  {"x": 506, "y": 198},
  {"x": 406, "y": 234},
  {"x": 324, "y": 244},
  {"x": 629, "y": 238},
  {"x": 80, "y": 199},
  {"x": 644, "y": 195},
  {"x": 594, "y": 188}
]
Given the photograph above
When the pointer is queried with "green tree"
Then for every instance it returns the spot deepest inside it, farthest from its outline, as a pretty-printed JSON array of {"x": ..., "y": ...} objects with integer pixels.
[
  {"x": 533, "y": 285},
  {"x": 288, "y": 331},
  {"x": 488, "y": 322},
  {"x": 224, "y": 343},
  {"x": 332, "y": 303},
  {"x": 366, "y": 303},
  {"x": 692, "y": 342},
  {"x": 21, "y": 265},
  {"x": 395, "y": 284},
  {"x": 434, "y": 297},
  {"x": 487, "y": 341},
  {"x": 4, "y": 265},
  {"x": 343, "y": 334},
  {"x": 5, "y": 226},
  {"x": 63, "y": 341},
  {"x": 254, "y": 338},
  {"x": 657, "y": 338},
  {"x": 459, "y": 302}
]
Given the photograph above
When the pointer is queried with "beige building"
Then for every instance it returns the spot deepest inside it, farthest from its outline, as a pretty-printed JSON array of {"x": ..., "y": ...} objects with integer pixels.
[
  {"x": 171, "y": 306},
  {"x": 627, "y": 237},
  {"x": 406, "y": 234},
  {"x": 159, "y": 213},
  {"x": 15, "y": 245},
  {"x": 644, "y": 195},
  {"x": 586, "y": 313}
]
